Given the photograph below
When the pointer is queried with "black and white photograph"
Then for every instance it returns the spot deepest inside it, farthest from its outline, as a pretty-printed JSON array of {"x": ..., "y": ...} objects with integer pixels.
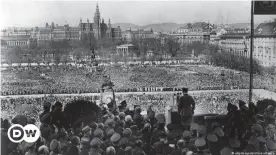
[{"x": 151, "y": 77}]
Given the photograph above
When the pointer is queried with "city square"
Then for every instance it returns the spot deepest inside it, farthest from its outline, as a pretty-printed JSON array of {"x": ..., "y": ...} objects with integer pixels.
[{"x": 116, "y": 88}]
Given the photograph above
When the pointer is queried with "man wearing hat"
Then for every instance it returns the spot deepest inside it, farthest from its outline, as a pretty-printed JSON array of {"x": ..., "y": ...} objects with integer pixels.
[
  {"x": 120, "y": 127},
  {"x": 46, "y": 109},
  {"x": 86, "y": 131},
  {"x": 123, "y": 106},
  {"x": 123, "y": 143},
  {"x": 98, "y": 136},
  {"x": 138, "y": 148},
  {"x": 63, "y": 139},
  {"x": 200, "y": 145},
  {"x": 127, "y": 133},
  {"x": 129, "y": 121},
  {"x": 115, "y": 138},
  {"x": 186, "y": 107},
  {"x": 122, "y": 116},
  {"x": 180, "y": 146},
  {"x": 201, "y": 130},
  {"x": 110, "y": 151},
  {"x": 95, "y": 147},
  {"x": 161, "y": 147},
  {"x": 57, "y": 115},
  {"x": 74, "y": 149},
  {"x": 43, "y": 150},
  {"x": 54, "y": 147},
  {"x": 84, "y": 148}
]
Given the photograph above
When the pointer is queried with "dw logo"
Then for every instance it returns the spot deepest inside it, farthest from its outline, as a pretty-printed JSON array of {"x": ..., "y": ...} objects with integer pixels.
[{"x": 29, "y": 133}]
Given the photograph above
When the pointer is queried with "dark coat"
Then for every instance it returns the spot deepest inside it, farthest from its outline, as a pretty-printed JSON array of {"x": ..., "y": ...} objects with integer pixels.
[
  {"x": 186, "y": 105},
  {"x": 73, "y": 150}
]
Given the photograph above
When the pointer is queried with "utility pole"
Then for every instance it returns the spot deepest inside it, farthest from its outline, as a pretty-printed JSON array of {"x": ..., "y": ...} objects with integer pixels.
[{"x": 251, "y": 51}]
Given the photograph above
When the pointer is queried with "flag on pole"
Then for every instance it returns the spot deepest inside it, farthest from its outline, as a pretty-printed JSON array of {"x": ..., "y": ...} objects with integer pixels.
[{"x": 265, "y": 7}]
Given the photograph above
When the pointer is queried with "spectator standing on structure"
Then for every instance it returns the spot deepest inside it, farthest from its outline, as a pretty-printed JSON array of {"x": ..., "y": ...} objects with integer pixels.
[{"x": 186, "y": 107}]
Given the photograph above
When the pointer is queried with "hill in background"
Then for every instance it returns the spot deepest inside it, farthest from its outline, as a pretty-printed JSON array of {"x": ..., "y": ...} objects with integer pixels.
[{"x": 169, "y": 27}]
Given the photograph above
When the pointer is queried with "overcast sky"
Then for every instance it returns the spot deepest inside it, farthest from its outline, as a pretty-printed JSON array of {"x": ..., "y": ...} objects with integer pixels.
[{"x": 37, "y": 13}]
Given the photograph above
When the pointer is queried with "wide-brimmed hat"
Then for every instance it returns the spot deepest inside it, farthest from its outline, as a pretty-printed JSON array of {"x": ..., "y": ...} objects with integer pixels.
[
  {"x": 212, "y": 137},
  {"x": 226, "y": 151},
  {"x": 115, "y": 137},
  {"x": 253, "y": 140},
  {"x": 261, "y": 139},
  {"x": 161, "y": 118},
  {"x": 271, "y": 145},
  {"x": 194, "y": 126},
  {"x": 109, "y": 122},
  {"x": 127, "y": 132},
  {"x": 201, "y": 129},
  {"x": 93, "y": 125},
  {"x": 86, "y": 129},
  {"x": 218, "y": 131},
  {"x": 94, "y": 142},
  {"x": 44, "y": 149},
  {"x": 54, "y": 144},
  {"x": 122, "y": 115},
  {"x": 85, "y": 140},
  {"x": 200, "y": 142},
  {"x": 187, "y": 134},
  {"x": 98, "y": 133},
  {"x": 128, "y": 118},
  {"x": 256, "y": 128},
  {"x": 110, "y": 132},
  {"x": 134, "y": 128},
  {"x": 75, "y": 140}
]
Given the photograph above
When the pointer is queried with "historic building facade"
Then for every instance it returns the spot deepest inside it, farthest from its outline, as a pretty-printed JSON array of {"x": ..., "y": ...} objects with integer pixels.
[
  {"x": 20, "y": 41},
  {"x": 264, "y": 44},
  {"x": 129, "y": 35},
  {"x": 99, "y": 29},
  {"x": 197, "y": 32}
]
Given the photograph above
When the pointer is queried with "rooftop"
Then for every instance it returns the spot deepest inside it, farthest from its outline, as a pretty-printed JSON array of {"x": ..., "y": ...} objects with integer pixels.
[
  {"x": 266, "y": 28},
  {"x": 125, "y": 45},
  {"x": 25, "y": 37}
]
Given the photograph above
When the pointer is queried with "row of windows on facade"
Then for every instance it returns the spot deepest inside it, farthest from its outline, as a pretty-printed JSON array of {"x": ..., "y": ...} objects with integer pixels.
[
  {"x": 17, "y": 43},
  {"x": 262, "y": 57}
]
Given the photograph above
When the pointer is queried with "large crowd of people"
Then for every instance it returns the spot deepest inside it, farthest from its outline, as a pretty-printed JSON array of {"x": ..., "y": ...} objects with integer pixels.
[
  {"x": 245, "y": 128},
  {"x": 72, "y": 80}
]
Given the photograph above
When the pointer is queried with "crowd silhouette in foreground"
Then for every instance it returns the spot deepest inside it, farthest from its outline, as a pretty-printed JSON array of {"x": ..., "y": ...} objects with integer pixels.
[{"x": 246, "y": 128}]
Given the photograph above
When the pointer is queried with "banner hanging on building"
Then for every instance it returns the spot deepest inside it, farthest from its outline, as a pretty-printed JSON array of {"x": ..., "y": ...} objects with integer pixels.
[{"x": 265, "y": 7}]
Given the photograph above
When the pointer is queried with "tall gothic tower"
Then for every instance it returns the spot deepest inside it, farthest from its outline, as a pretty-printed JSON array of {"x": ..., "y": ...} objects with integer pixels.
[{"x": 96, "y": 24}]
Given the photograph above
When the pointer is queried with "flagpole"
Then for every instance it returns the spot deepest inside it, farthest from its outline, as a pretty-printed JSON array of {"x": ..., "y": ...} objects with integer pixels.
[{"x": 251, "y": 51}]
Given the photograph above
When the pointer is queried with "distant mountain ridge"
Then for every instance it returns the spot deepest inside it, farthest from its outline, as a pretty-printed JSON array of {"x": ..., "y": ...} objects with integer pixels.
[
  {"x": 160, "y": 27},
  {"x": 169, "y": 27},
  {"x": 243, "y": 25}
]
